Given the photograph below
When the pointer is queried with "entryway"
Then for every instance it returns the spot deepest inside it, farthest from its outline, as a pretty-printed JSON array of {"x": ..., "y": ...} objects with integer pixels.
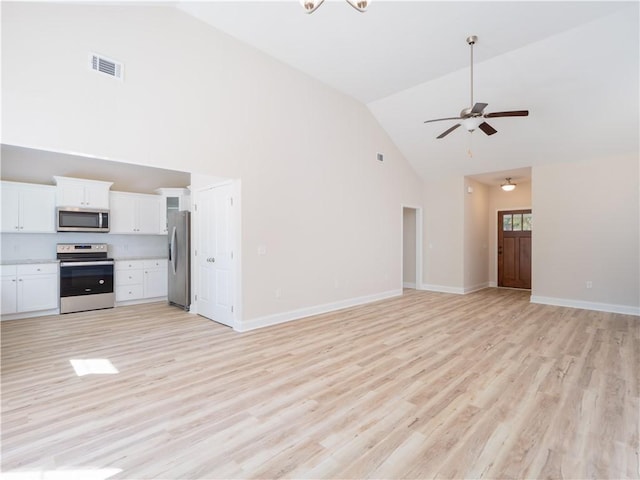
[
  {"x": 411, "y": 247},
  {"x": 514, "y": 248}
]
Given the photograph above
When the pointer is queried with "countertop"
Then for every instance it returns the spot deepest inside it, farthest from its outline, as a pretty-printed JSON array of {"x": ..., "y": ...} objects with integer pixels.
[
  {"x": 28, "y": 261},
  {"x": 53, "y": 260}
]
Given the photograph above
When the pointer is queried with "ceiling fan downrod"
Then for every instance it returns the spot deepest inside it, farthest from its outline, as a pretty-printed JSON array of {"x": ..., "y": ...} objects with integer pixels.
[{"x": 471, "y": 41}]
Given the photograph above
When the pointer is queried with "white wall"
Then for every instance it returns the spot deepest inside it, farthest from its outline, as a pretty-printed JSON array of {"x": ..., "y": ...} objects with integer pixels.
[
  {"x": 586, "y": 228},
  {"x": 500, "y": 200},
  {"x": 443, "y": 261},
  {"x": 197, "y": 100},
  {"x": 476, "y": 236}
]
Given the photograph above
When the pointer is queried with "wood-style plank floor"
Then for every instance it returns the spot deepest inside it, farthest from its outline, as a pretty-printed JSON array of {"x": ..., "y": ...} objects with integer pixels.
[{"x": 425, "y": 385}]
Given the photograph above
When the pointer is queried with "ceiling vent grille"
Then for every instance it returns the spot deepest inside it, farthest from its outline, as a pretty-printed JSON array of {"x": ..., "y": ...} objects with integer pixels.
[{"x": 106, "y": 66}]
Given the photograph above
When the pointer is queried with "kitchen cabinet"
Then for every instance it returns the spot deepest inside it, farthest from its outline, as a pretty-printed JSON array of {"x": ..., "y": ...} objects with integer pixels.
[
  {"x": 155, "y": 278},
  {"x": 28, "y": 208},
  {"x": 29, "y": 287},
  {"x": 136, "y": 213},
  {"x": 173, "y": 199},
  {"x": 137, "y": 281},
  {"x": 78, "y": 192}
]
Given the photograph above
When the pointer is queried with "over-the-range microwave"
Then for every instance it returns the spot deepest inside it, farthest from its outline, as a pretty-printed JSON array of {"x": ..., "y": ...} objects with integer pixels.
[{"x": 71, "y": 219}]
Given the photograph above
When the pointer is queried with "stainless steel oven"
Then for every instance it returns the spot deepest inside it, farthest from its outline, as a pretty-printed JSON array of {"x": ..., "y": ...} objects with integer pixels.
[{"x": 86, "y": 277}]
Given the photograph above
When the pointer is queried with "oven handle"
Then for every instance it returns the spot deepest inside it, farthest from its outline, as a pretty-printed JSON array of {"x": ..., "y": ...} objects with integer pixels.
[{"x": 86, "y": 264}]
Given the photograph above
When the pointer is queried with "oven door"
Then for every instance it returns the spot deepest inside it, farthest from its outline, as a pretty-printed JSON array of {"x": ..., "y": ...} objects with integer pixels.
[{"x": 86, "y": 277}]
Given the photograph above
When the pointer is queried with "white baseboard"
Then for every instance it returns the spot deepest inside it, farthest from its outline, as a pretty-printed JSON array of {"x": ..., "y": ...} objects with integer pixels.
[
  {"x": 600, "y": 307},
  {"x": 455, "y": 290},
  {"x": 18, "y": 316},
  {"x": 475, "y": 288},
  {"x": 442, "y": 289},
  {"x": 283, "y": 317},
  {"x": 409, "y": 285}
]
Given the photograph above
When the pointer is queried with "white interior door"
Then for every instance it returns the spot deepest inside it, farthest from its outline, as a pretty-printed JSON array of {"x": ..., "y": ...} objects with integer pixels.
[{"x": 214, "y": 254}]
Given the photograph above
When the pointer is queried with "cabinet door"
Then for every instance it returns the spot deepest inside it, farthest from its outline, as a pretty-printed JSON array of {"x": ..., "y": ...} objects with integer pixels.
[
  {"x": 96, "y": 196},
  {"x": 123, "y": 213},
  {"x": 148, "y": 214},
  {"x": 38, "y": 210},
  {"x": 155, "y": 282},
  {"x": 9, "y": 295},
  {"x": 10, "y": 208},
  {"x": 71, "y": 194},
  {"x": 37, "y": 292}
]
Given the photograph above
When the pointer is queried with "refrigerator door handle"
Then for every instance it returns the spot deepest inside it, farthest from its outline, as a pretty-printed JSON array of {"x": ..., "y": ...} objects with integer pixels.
[{"x": 172, "y": 250}]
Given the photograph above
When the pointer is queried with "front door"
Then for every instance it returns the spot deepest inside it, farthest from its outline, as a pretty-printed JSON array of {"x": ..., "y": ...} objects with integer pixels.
[
  {"x": 214, "y": 254},
  {"x": 514, "y": 248}
]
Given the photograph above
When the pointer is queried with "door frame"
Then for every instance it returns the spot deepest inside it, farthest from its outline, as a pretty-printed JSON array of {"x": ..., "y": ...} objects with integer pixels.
[
  {"x": 236, "y": 215},
  {"x": 419, "y": 236}
]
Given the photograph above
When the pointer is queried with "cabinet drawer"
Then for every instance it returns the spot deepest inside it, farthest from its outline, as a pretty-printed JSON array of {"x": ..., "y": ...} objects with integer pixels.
[
  {"x": 128, "y": 277},
  {"x": 129, "y": 264},
  {"x": 128, "y": 292},
  {"x": 157, "y": 263},
  {"x": 37, "y": 268}
]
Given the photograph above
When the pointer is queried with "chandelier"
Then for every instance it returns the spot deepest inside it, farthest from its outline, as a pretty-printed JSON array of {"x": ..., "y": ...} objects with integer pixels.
[{"x": 311, "y": 6}]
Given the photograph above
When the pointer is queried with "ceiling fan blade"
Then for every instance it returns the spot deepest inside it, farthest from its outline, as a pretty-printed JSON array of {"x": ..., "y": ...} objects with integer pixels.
[
  {"x": 479, "y": 107},
  {"x": 514, "y": 113},
  {"x": 440, "y": 119},
  {"x": 486, "y": 128},
  {"x": 448, "y": 131}
]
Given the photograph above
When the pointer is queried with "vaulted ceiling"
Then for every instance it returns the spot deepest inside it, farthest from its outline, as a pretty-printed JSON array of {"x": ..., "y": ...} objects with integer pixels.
[{"x": 573, "y": 65}]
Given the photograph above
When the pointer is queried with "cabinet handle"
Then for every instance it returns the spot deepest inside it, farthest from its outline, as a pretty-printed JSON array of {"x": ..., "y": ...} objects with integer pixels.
[{"x": 19, "y": 279}]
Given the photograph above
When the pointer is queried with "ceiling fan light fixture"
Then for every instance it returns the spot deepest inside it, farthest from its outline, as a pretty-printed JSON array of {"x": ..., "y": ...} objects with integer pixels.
[
  {"x": 508, "y": 186},
  {"x": 311, "y": 6},
  {"x": 472, "y": 123},
  {"x": 360, "y": 5}
]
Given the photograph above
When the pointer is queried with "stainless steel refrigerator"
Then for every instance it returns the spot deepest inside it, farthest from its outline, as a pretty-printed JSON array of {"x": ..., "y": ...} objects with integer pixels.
[{"x": 179, "y": 224}]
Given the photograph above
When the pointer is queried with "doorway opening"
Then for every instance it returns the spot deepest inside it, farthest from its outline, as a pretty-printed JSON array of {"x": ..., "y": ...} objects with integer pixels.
[{"x": 411, "y": 247}]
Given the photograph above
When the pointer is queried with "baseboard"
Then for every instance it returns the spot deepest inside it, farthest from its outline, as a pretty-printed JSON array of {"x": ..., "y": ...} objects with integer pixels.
[
  {"x": 40, "y": 313},
  {"x": 409, "y": 285},
  {"x": 442, "y": 289},
  {"x": 600, "y": 307},
  {"x": 275, "y": 319},
  {"x": 475, "y": 288}
]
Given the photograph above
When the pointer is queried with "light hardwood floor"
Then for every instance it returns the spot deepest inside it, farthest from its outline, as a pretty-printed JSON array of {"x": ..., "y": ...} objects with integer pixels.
[{"x": 425, "y": 385}]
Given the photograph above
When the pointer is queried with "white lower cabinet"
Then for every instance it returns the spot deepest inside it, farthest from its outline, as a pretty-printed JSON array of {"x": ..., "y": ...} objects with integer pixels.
[
  {"x": 140, "y": 280},
  {"x": 29, "y": 288}
]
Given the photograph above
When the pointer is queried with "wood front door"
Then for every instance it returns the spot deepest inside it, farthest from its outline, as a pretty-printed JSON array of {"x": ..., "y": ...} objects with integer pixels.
[{"x": 514, "y": 248}]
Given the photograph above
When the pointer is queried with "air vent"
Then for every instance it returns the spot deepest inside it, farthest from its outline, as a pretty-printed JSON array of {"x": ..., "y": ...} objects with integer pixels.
[{"x": 106, "y": 66}]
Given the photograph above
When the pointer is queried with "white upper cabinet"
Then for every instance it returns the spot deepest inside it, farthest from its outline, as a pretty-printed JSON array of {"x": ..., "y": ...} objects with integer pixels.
[
  {"x": 77, "y": 192},
  {"x": 173, "y": 199},
  {"x": 28, "y": 208},
  {"x": 135, "y": 213}
]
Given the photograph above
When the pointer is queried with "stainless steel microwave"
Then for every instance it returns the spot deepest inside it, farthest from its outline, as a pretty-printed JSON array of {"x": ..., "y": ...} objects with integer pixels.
[{"x": 69, "y": 219}]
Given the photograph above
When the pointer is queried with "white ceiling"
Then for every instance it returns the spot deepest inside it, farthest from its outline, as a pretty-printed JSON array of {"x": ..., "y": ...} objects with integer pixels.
[{"x": 574, "y": 65}]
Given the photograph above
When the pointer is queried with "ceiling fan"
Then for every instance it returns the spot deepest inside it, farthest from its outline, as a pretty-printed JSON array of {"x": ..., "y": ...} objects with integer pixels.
[{"x": 472, "y": 117}]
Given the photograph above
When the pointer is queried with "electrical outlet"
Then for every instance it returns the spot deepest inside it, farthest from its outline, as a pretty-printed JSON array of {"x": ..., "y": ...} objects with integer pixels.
[
  {"x": 278, "y": 293},
  {"x": 589, "y": 284}
]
